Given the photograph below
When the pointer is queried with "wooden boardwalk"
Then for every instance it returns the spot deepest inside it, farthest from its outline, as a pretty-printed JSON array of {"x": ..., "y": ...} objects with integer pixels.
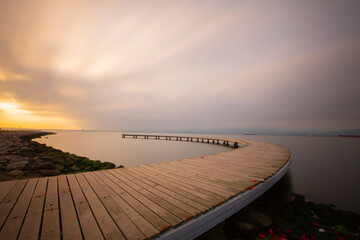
[{"x": 171, "y": 200}]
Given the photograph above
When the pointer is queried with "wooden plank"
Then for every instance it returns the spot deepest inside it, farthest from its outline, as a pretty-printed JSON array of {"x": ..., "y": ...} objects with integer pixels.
[
  {"x": 220, "y": 192},
  {"x": 202, "y": 170},
  {"x": 173, "y": 185},
  {"x": 192, "y": 185},
  {"x": 214, "y": 176},
  {"x": 196, "y": 196},
  {"x": 31, "y": 226},
  {"x": 51, "y": 222},
  {"x": 230, "y": 163},
  {"x": 5, "y": 188},
  {"x": 126, "y": 226},
  {"x": 163, "y": 213},
  {"x": 207, "y": 171},
  {"x": 215, "y": 188},
  {"x": 104, "y": 220},
  {"x": 88, "y": 224},
  {"x": 175, "y": 210},
  {"x": 234, "y": 171},
  {"x": 148, "y": 214},
  {"x": 168, "y": 197},
  {"x": 211, "y": 172},
  {"x": 205, "y": 179},
  {"x": 10, "y": 200},
  {"x": 145, "y": 227},
  {"x": 14, "y": 221},
  {"x": 69, "y": 221},
  {"x": 161, "y": 188}
]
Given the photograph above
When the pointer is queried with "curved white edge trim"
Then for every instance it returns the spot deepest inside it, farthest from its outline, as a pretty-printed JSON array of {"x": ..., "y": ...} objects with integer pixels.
[{"x": 198, "y": 225}]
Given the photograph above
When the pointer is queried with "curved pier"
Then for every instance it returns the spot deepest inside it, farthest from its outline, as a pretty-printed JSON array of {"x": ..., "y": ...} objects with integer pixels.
[{"x": 172, "y": 200}]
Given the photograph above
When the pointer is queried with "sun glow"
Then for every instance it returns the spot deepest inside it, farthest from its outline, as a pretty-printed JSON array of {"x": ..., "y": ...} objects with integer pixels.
[
  {"x": 12, "y": 108},
  {"x": 13, "y": 114}
]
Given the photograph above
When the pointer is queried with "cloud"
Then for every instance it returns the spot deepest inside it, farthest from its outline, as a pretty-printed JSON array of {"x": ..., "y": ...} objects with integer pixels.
[{"x": 183, "y": 66}]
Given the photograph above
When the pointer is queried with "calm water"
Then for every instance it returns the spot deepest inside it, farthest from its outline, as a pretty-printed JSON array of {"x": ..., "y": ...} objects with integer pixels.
[
  {"x": 111, "y": 147},
  {"x": 325, "y": 169}
]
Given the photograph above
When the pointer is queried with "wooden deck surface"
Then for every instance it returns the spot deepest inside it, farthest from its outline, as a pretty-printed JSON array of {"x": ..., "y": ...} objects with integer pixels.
[{"x": 134, "y": 202}]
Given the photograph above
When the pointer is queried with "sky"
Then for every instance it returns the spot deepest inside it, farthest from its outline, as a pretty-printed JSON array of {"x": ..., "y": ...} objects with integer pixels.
[{"x": 180, "y": 66}]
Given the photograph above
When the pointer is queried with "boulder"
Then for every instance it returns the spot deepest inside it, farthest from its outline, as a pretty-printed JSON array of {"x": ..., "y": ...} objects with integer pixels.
[
  {"x": 3, "y": 160},
  {"x": 45, "y": 165},
  {"x": 16, "y": 165},
  {"x": 59, "y": 167},
  {"x": 13, "y": 158},
  {"x": 16, "y": 173},
  {"x": 50, "y": 172},
  {"x": 260, "y": 219},
  {"x": 244, "y": 227}
]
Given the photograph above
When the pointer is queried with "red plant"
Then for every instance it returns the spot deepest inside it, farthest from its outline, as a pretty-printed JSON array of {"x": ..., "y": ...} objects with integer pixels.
[{"x": 261, "y": 235}]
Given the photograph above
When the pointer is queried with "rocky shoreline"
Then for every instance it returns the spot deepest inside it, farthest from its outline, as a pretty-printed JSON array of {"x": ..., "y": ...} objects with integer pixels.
[{"x": 20, "y": 157}]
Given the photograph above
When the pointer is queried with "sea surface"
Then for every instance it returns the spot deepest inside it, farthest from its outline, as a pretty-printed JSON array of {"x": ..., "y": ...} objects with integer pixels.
[{"x": 324, "y": 169}]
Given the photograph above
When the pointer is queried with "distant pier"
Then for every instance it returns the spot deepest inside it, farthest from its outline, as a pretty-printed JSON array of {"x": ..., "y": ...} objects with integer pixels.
[{"x": 225, "y": 142}]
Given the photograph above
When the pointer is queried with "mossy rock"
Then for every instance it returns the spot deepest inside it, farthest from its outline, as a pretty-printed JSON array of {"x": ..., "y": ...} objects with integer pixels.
[
  {"x": 244, "y": 228},
  {"x": 260, "y": 219}
]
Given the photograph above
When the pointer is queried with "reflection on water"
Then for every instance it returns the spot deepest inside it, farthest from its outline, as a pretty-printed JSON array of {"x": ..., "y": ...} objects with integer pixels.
[{"x": 324, "y": 169}]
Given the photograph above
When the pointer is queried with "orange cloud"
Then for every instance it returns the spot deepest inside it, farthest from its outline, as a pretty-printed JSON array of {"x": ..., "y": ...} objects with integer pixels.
[{"x": 15, "y": 115}]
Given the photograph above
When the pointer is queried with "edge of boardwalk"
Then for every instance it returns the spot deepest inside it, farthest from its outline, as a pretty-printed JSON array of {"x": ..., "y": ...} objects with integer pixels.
[{"x": 197, "y": 226}]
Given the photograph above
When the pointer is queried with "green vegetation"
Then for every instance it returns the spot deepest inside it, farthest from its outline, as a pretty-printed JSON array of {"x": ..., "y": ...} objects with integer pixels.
[{"x": 51, "y": 161}]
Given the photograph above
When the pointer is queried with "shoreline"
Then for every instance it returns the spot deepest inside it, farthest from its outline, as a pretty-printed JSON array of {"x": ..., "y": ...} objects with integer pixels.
[{"x": 20, "y": 158}]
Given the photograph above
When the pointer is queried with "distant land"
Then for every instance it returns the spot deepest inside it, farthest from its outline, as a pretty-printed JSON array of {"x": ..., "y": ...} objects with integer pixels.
[{"x": 353, "y": 132}]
